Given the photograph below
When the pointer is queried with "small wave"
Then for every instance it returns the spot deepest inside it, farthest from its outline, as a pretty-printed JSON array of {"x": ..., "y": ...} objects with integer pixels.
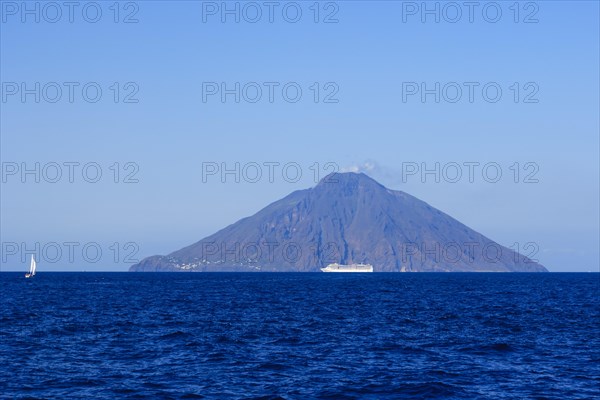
[
  {"x": 489, "y": 348},
  {"x": 271, "y": 366},
  {"x": 191, "y": 396},
  {"x": 428, "y": 390},
  {"x": 174, "y": 335}
]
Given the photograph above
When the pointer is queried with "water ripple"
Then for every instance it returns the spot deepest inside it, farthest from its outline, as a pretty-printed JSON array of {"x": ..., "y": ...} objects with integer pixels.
[{"x": 300, "y": 336}]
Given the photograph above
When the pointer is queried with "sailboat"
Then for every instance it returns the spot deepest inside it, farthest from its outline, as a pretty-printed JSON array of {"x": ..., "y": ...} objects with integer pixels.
[{"x": 32, "y": 267}]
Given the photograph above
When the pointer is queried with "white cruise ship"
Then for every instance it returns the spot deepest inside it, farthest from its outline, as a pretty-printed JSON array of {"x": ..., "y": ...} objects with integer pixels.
[{"x": 335, "y": 267}]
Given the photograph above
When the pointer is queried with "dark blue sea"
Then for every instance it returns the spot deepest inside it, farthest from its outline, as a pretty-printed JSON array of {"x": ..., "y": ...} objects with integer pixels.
[{"x": 299, "y": 336}]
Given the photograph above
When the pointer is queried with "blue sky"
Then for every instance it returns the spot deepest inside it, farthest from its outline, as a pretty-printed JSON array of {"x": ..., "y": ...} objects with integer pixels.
[{"x": 165, "y": 125}]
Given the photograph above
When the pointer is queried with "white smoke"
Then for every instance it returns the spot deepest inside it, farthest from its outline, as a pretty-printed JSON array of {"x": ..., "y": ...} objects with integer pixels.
[{"x": 367, "y": 167}]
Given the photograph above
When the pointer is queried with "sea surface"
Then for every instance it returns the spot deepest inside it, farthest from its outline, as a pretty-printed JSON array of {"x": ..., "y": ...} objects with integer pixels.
[{"x": 299, "y": 336}]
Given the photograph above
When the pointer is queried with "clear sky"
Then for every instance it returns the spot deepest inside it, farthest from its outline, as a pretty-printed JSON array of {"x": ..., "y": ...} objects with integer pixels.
[{"x": 400, "y": 88}]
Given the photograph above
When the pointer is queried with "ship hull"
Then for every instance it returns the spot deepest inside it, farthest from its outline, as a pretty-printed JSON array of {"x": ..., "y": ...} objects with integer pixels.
[{"x": 345, "y": 271}]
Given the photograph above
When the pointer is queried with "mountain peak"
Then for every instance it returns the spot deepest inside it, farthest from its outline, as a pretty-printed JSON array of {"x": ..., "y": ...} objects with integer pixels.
[
  {"x": 346, "y": 177},
  {"x": 348, "y": 182}
]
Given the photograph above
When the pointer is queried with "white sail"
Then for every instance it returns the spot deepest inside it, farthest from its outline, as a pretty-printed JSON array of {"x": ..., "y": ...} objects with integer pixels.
[{"x": 32, "y": 266}]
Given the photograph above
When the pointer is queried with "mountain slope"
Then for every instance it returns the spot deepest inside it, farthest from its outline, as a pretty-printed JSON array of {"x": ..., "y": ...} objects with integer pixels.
[{"x": 346, "y": 218}]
